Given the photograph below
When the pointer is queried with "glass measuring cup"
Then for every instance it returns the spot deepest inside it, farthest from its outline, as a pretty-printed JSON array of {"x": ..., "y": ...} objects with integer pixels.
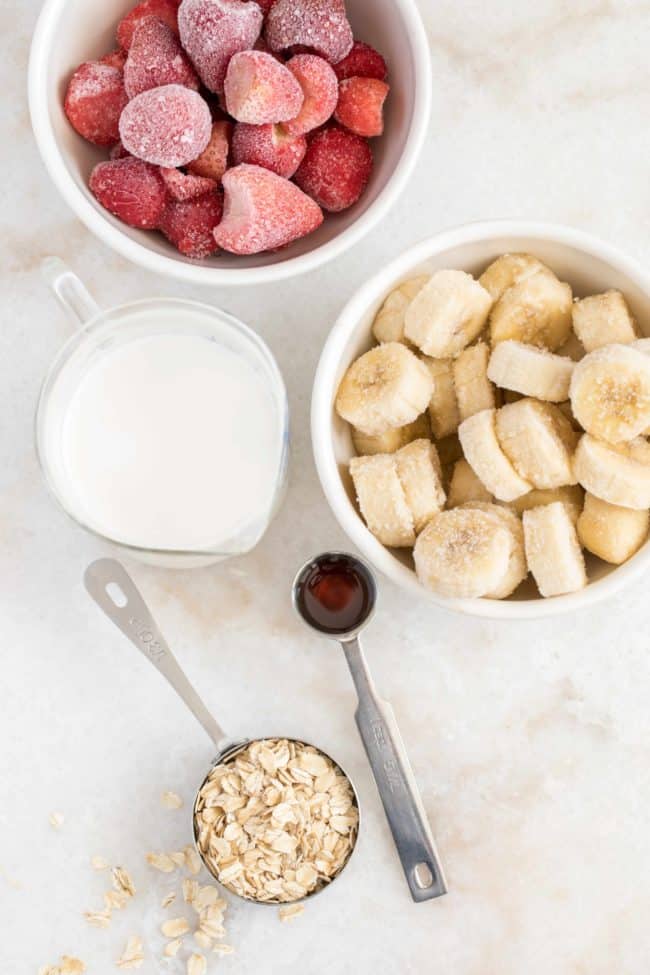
[{"x": 105, "y": 334}]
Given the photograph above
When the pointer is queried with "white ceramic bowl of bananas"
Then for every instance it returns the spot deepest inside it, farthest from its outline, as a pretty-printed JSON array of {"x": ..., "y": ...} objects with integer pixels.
[{"x": 480, "y": 419}]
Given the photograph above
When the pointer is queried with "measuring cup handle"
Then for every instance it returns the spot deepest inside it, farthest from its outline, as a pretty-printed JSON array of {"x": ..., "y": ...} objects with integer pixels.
[
  {"x": 396, "y": 783},
  {"x": 111, "y": 587},
  {"x": 70, "y": 292}
]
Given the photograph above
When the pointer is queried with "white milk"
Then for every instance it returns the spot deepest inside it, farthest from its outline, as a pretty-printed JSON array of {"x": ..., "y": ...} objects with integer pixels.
[{"x": 172, "y": 441}]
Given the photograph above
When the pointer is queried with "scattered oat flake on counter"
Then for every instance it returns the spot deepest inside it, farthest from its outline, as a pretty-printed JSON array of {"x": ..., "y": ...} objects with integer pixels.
[
  {"x": 49, "y": 970},
  {"x": 193, "y": 860},
  {"x": 196, "y": 965},
  {"x": 171, "y": 800},
  {"x": 72, "y": 966},
  {"x": 133, "y": 955},
  {"x": 202, "y": 939},
  {"x": 57, "y": 820},
  {"x": 168, "y": 899},
  {"x": 115, "y": 900},
  {"x": 175, "y": 927},
  {"x": 190, "y": 890},
  {"x": 99, "y": 863},
  {"x": 173, "y": 947},
  {"x": 161, "y": 861},
  {"x": 122, "y": 881},
  {"x": 291, "y": 912},
  {"x": 223, "y": 950},
  {"x": 98, "y": 919}
]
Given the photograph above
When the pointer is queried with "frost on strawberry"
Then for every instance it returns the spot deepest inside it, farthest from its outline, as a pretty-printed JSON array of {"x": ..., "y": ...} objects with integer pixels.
[
  {"x": 156, "y": 58},
  {"x": 362, "y": 62},
  {"x": 263, "y": 211},
  {"x": 165, "y": 10},
  {"x": 184, "y": 186},
  {"x": 360, "y": 106},
  {"x": 94, "y": 102},
  {"x": 130, "y": 189},
  {"x": 212, "y": 31},
  {"x": 336, "y": 168},
  {"x": 321, "y": 26},
  {"x": 270, "y": 146},
  {"x": 259, "y": 89},
  {"x": 189, "y": 225},
  {"x": 167, "y": 126},
  {"x": 213, "y": 161},
  {"x": 320, "y": 90}
]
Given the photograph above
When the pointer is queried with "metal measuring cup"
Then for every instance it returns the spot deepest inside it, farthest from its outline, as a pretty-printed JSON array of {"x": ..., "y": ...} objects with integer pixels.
[
  {"x": 345, "y": 610},
  {"x": 111, "y": 587}
]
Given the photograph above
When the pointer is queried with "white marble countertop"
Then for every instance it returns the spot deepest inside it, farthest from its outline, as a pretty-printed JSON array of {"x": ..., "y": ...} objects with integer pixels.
[{"x": 531, "y": 742}]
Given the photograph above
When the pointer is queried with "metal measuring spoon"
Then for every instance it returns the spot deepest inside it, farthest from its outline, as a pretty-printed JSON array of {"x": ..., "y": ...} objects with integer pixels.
[
  {"x": 335, "y": 594},
  {"x": 111, "y": 587}
]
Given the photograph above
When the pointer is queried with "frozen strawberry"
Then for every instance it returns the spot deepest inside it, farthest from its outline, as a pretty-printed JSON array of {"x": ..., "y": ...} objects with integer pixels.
[
  {"x": 116, "y": 59},
  {"x": 360, "y": 105},
  {"x": 156, "y": 58},
  {"x": 166, "y": 126},
  {"x": 336, "y": 168},
  {"x": 190, "y": 225},
  {"x": 263, "y": 211},
  {"x": 213, "y": 30},
  {"x": 320, "y": 89},
  {"x": 213, "y": 161},
  {"x": 362, "y": 62},
  {"x": 259, "y": 89},
  {"x": 320, "y": 25},
  {"x": 94, "y": 102},
  {"x": 265, "y": 5},
  {"x": 184, "y": 186},
  {"x": 118, "y": 152},
  {"x": 269, "y": 146},
  {"x": 166, "y": 10},
  {"x": 130, "y": 189}
]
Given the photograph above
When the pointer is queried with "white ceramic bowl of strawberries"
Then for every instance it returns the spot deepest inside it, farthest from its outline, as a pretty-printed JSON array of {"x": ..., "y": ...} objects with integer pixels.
[
  {"x": 590, "y": 267},
  {"x": 178, "y": 137}
]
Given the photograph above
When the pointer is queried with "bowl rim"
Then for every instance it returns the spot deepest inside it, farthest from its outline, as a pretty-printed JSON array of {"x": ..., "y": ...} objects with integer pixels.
[
  {"x": 321, "y": 418},
  {"x": 138, "y": 253}
]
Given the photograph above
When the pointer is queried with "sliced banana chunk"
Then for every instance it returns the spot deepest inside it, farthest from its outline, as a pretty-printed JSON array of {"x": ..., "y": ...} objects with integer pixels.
[
  {"x": 530, "y": 370},
  {"x": 572, "y": 497},
  {"x": 642, "y": 345},
  {"x": 602, "y": 320},
  {"x": 388, "y": 325},
  {"x": 507, "y": 270},
  {"x": 443, "y": 406},
  {"x": 382, "y": 500},
  {"x": 474, "y": 391},
  {"x": 539, "y": 442},
  {"x": 610, "y": 393},
  {"x": 612, "y": 533},
  {"x": 537, "y": 311},
  {"x": 619, "y": 473},
  {"x": 517, "y": 566},
  {"x": 462, "y": 553},
  {"x": 448, "y": 313},
  {"x": 420, "y": 474},
  {"x": 553, "y": 551},
  {"x": 387, "y": 387},
  {"x": 465, "y": 486},
  {"x": 486, "y": 458},
  {"x": 392, "y": 440}
]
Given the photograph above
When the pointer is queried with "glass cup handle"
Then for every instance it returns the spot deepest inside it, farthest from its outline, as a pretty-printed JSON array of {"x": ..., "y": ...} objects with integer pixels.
[{"x": 69, "y": 291}]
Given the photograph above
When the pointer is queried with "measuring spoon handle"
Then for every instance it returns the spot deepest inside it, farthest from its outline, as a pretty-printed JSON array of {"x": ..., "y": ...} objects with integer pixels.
[
  {"x": 396, "y": 783},
  {"x": 112, "y": 588}
]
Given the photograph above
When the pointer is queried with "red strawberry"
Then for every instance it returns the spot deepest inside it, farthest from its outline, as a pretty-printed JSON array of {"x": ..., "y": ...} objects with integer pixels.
[
  {"x": 213, "y": 30},
  {"x": 118, "y": 152},
  {"x": 259, "y": 89},
  {"x": 166, "y": 10},
  {"x": 166, "y": 126},
  {"x": 183, "y": 186},
  {"x": 94, "y": 102},
  {"x": 190, "y": 225},
  {"x": 336, "y": 168},
  {"x": 156, "y": 58},
  {"x": 362, "y": 62},
  {"x": 269, "y": 146},
  {"x": 263, "y": 211},
  {"x": 131, "y": 190},
  {"x": 360, "y": 105},
  {"x": 265, "y": 5},
  {"x": 319, "y": 25},
  {"x": 116, "y": 59},
  {"x": 320, "y": 89},
  {"x": 213, "y": 161}
]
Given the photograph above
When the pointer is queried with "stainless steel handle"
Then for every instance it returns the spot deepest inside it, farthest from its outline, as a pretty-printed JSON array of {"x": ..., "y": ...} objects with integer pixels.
[
  {"x": 116, "y": 594},
  {"x": 396, "y": 783}
]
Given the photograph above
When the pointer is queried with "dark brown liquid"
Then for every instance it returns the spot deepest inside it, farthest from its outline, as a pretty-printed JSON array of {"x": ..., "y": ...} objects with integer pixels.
[{"x": 336, "y": 594}]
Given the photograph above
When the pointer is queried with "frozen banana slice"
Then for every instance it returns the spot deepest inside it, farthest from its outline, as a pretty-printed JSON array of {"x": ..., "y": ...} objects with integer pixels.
[
  {"x": 420, "y": 474},
  {"x": 388, "y": 325},
  {"x": 530, "y": 370},
  {"x": 642, "y": 345},
  {"x": 539, "y": 442},
  {"x": 465, "y": 486},
  {"x": 517, "y": 566},
  {"x": 474, "y": 391},
  {"x": 553, "y": 551},
  {"x": 486, "y": 458},
  {"x": 610, "y": 393},
  {"x": 571, "y": 495},
  {"x": 507, "y": 270},
  {"x": 387, "y": 387},
  {"x": 619, "y": 474},
  {"x": 448, "y": 314},
  {"x": 462, "y": 553},
  {"x": 443, "y": 406},
  {"x": 392, "y": 440},
  {"x": 537, "y": 311},
  {"x": 602, "y": 320},
  {"x": 612, "y": 533},
  {"x": 382, "y": 500}
]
